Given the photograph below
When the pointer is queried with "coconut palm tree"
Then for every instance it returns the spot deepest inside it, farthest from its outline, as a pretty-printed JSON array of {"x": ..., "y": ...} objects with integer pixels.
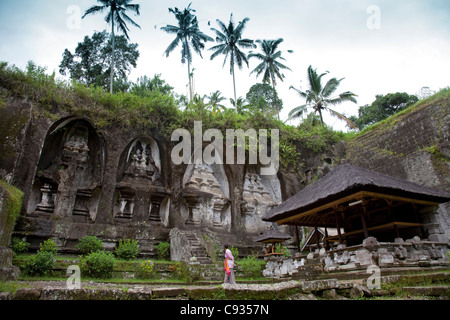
[
  {"x": 230, "y": 41},
  {"x": 189, "y": 35},
  {"x": 319, "y": 97},
  {"x": 270, "y": 65},
  {"x": 215, "y": 99},
  {"x": 242, "y": 105},
  {"x": 116, "y": 15}
]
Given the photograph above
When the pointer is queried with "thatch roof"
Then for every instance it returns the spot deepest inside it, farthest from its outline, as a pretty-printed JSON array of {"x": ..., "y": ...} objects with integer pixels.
[
  {"x": 273, "y": 235},
  {"x": 347, "y": 180}
]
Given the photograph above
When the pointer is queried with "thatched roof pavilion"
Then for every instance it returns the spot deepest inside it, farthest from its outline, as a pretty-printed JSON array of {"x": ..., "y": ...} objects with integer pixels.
[
  {"x": 270, "y": 238},
  {"x": 359, "y": 200}
]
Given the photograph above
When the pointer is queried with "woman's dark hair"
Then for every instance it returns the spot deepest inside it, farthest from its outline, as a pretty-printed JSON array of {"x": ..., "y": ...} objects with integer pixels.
[{"x": 225, "y": 246}]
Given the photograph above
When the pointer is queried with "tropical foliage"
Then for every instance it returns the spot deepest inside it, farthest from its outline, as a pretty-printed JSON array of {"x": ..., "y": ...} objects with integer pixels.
[
  {"x": 383, "y": 107},
  {"x": 319, "y": 97},
  {"x": 118, "y": 17},
  {"x": 230, "y": 44},
  {"x": 89, "y": 64},
  {"x": 270, "y": 66},
  {"x": 189, "y": 35}
]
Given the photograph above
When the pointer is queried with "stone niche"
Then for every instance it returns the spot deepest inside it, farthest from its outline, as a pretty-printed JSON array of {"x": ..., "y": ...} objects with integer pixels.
[
  {"x": 69, "y": 172},
  {"x": 261, "y": 194},
  {"x": 207, "y": 200},
  {"x": 140, "y": 194}
]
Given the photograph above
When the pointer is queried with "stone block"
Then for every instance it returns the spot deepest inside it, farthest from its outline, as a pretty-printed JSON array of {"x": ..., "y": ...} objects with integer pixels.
[
  {"x": 197, "y": 293},
  {"x": 168, "y": 292},
  {"x": 27, "y": 294},
  {"x": 363, "y": 258},
  {"x": 386, "y": 258},
  {"x": 138, "y": 293},
  {"x": 319, "y": 285},
  {"x": 359, "y": 291},
  {"x": 370, "y": 243},
  {"x": 5, "y": 296}
]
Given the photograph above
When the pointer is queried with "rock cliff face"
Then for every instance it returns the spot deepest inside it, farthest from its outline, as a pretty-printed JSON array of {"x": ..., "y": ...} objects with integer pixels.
[
  {"x": 414, "y": 146},
  {"x": 119, "y": 182}
]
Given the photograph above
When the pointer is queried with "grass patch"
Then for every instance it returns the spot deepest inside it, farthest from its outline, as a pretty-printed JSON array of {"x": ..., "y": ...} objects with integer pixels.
[{"x": 442, "y": 96}]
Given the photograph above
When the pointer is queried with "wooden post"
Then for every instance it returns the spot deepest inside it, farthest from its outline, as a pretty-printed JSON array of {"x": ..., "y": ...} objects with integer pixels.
[
  {"x": 298, "y": 238},
  {"x": 316, "y": 230},
  {"x": 338, "y": 227},
  {"x": 363, "y": 219}
]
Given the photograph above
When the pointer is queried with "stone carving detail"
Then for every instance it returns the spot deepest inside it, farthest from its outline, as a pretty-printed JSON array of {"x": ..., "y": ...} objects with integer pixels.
[
  {"x": 68, "y": 173},
  {"x": 139, "y": 189},
  {"x": 125, "y": 205},
  {"x": 81, "y": 207},
  {"x": 76, "y": 151},
  {"x": 256, "y": 202},
  {"x": 47, "y": 204},
  {"x": 140, "y": 162},
  {"x": 209, "y": 209}
]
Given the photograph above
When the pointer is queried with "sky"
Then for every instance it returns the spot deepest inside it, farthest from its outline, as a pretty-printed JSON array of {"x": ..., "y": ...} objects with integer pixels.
[{"x": 378, "y": 46}]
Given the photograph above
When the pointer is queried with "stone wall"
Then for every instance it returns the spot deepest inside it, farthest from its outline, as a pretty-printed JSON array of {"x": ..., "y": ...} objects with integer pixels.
[
  {"x": 7, "y": 270},
  {"x": 119, "y": 182},
  {"x": 357, "y": 260},
  {"x": 414, "y": 146}
]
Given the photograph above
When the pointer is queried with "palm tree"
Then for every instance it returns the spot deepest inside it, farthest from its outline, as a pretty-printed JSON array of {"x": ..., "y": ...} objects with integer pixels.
[
  {"x": 242, "y": 105},
  {"x": 188, "y": 33},
  {"x": 318, "y": 97},
  {"x": 215, "y": 99},
  {"x": 269, "y": 65},
  {"x": 230, "y": 40},
  {"x": 117, "y": 14}
]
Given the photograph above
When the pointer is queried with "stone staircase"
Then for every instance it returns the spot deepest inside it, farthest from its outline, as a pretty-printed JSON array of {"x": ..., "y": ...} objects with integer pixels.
[{"x": 197, "y": 249}]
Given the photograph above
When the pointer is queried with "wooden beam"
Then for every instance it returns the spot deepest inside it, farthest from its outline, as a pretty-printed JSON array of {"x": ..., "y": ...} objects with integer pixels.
[{"x": 353, "y": 197}]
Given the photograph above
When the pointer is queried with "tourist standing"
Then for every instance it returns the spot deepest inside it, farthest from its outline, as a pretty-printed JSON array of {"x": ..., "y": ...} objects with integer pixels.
[{"x": 229, "y": 266}]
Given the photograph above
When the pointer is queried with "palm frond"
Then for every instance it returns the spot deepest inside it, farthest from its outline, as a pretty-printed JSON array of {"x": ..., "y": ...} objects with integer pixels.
[
  {"x": 94, "y": 9},
  {"x": 297, "y": 112},
  {"x": 330, "y": 87},
  {"x": 340, "y": 116}
]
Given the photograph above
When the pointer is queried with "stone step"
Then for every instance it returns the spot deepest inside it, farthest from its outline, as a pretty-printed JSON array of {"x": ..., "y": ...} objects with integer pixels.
[
  {"x": 429, "y": 291},
  {"x": 197, "y": 249}
]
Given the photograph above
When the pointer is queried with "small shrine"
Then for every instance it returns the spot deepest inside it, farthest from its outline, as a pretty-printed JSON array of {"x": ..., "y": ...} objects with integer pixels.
[{"x": 271, "y": 239}]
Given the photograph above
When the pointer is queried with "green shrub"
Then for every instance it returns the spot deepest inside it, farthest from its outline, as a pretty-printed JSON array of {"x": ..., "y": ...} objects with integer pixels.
[
  {"x": 163, "y": 250},
  {"x": 234, "y": 252},
  {"x": 98, "y": 264},
  {"x": 19, "y": 246},
  {"x": 283, "y": 249},
  {"x": 147, "y": 269},
  {"x": 128, "y": 249},
  {"x": 89, "y": 244},
  {"x": 250, "y": 266},
  {"x": 48, "y": 246},
  {"x": 40, "y": 264}
]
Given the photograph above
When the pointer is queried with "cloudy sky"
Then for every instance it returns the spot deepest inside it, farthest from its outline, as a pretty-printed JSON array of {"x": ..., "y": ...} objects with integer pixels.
[{"x": 379, "y": 46}]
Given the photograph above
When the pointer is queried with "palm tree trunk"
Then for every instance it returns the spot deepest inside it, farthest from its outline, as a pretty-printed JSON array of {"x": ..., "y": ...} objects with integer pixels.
[
  {"x": 321, "y": 118},
  {"x": 190, "y": 82},
  {"x": 234, "y": 86},
  {"x": 112, "y": 56},
  {"x": 276, "y": 101}
]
